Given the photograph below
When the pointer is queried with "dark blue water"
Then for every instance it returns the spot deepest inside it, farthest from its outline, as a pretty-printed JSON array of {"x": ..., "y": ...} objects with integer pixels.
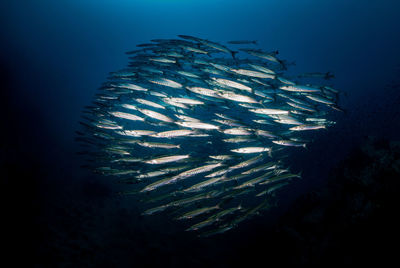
[{"x": 54, "y": 56}]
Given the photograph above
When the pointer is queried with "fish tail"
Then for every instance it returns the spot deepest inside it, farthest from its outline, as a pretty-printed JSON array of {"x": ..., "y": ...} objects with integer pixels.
[{"x": 262, "y": 104}]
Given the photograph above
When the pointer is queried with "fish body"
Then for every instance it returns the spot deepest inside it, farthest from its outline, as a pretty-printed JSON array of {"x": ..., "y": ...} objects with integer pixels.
[
  {"x": 230, "y": 83},
  {"x": 127, "y": 116},
  {"x": 166, "y": 159},
  {"x": 195, "y": 171},
  {"x": 237, "y": 97},
  {"x": 158, "y": 145},
  {"x": 194, "y": 213},
  {"x": 197, "y": 125},
  {"x": 165, "y": 82},
  {"x": 307, "y": 127},
  {"x": 262, "y": 69},
  {"x": 150, "y": 103},
  {"x": 174, "y": 133},
  {"x": 251, "y": 150},
  {"x": 186, "y": 101},
  {"x": 131, "y": 87},
  {"x": 290, "y": 143},
  {"x": 203, "y": 184},
  {"x": 320, "y": 99},
  {"x": 136, "y": 133},
  {"x": 253, "y": 73},
  {"x": 299, "y": 88},
  {"x": 156, "y": 115},
  {"x": 237, "y": 131},
  {"x": 269, "y": 111}
]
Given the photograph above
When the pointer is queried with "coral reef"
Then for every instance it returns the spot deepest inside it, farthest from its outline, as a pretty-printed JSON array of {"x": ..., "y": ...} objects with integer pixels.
[{"x": 354, "y": 219}]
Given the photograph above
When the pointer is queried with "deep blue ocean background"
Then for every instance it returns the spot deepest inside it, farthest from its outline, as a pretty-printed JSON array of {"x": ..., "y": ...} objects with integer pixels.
[{"x": 55, "y": 54}]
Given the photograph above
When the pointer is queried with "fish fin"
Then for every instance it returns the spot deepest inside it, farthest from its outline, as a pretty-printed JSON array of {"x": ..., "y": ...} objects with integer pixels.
[
  {"x": 283, "y": 64},
  {"x": 234, "y": 53},
  {"x": 177, "y": 63},
  {"x": 329, "y": 75},
  {"x": 337, "y": 108}
]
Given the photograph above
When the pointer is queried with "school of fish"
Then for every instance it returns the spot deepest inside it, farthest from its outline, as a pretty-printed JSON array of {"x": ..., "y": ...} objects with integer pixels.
[{"x": 201, "y": 132}]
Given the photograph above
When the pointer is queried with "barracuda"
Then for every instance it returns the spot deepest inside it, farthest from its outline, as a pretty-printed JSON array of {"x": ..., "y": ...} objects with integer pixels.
[{"x": 196, "y": 132}]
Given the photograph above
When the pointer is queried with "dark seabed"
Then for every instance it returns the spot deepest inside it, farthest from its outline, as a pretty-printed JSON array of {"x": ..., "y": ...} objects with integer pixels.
[{"x": 54, "y": 56}]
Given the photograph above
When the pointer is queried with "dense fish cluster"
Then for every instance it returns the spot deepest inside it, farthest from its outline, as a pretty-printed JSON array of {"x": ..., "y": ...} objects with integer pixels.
[{"x": 199, "y": 131}]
